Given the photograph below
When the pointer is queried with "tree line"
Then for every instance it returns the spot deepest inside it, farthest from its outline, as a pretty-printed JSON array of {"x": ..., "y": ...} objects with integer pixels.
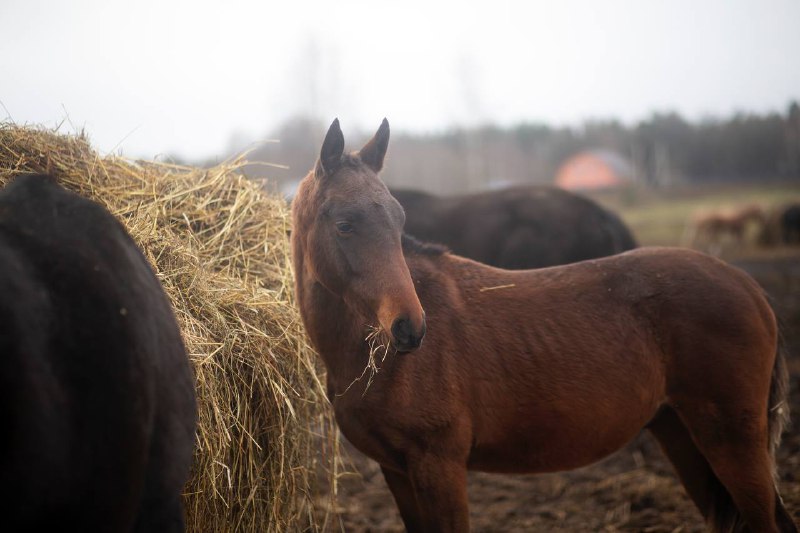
[{"x": 663, "y": 150}]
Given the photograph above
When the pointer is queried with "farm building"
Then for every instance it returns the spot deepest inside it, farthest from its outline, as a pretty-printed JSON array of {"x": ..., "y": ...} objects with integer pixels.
[{"x": 594, "y": 169}]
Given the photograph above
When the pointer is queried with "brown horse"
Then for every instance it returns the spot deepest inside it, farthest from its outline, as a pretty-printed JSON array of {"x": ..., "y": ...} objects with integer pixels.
[
  {"x": 527, "y": 226},
  {"x": 710, "y": 228},
  {"x": 536, "y": 370}
]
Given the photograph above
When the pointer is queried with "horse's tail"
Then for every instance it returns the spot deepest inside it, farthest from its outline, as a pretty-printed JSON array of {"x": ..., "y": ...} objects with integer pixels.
[
  {"x": 778, "y": 406},
  {"x": 777, "y": 419}
]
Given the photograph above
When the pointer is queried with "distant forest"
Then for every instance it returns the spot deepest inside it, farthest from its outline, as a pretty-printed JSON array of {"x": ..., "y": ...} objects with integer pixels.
[{"x": 661, "y": 151}]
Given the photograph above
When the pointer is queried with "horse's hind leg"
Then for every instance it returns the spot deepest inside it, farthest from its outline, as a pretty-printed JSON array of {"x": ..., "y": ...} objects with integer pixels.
[
  {"x": 692, "y": 468},
  {"x": 733, "y": 439},
  {"x": 711, "y": 495}
]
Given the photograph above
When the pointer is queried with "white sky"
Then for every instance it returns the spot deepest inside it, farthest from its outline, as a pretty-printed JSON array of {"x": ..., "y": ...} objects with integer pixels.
[{"x": 159, "y": 76}]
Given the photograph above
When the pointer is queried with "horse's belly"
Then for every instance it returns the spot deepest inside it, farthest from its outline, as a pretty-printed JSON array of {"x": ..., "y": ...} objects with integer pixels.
[{"x": 557, "y": 446}]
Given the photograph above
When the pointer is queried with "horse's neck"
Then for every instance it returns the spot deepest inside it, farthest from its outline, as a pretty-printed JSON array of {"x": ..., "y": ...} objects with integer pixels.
[{"x": 336, "y": 332}]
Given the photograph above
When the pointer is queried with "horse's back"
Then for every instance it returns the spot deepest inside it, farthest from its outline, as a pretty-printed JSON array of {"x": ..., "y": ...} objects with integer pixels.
[
  {"x": 702, "y": 315},
  {"x": 569, "y": 227},
  {"x": 672, "y": 285},
  {"x": 684, "y": 275},
  {"x": 519, "y": 227},
  {"x": 97, "y": 390},
  {"x": 650, "y": 288}
]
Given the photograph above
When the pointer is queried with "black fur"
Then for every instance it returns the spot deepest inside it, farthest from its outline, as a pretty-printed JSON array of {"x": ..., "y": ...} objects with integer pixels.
[
  {"x": 517, "y": 228},
  {"x": 96, "y": 391},
  {"x": 790, "y": 224},
  {"x": 413, "y": 246}
]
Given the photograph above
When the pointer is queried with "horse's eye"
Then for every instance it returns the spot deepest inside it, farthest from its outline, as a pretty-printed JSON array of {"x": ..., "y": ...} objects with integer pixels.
[{"x": 344, "y": 227}]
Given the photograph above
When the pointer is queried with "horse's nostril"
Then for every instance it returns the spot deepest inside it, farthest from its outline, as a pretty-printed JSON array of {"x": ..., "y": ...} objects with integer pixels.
[
  {"x": 405, "y": 338},
  {"x": 401, "y": 329}
]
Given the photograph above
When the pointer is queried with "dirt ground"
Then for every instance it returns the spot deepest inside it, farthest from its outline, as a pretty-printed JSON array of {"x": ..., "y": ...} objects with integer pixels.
[{"x": 632, "y": 490}]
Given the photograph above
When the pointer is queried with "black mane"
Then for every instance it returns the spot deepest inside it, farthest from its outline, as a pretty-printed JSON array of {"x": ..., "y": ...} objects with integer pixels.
[{"x": 413, "y": 246}]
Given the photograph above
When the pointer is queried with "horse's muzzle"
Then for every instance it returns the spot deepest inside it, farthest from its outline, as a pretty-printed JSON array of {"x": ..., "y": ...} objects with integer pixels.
[{"x": 404, "y": 337}]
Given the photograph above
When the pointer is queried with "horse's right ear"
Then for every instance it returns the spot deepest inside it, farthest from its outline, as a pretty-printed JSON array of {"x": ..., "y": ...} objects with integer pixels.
[
  {"x": 330, "y": 157},
  {"x": 375, "y": 150}
]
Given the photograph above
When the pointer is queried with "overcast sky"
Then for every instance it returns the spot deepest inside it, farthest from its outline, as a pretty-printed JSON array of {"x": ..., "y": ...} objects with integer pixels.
[{"x": 181, "y": 77}]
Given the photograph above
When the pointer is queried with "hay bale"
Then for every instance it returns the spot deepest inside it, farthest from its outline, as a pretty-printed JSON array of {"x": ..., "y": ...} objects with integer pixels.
[{"x": 219, "y": 245}]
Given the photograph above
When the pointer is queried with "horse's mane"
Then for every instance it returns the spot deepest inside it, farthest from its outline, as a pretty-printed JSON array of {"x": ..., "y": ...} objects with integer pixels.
[
  {"x": 413, "y": 246},
  {"x": 350, "y": 160}
]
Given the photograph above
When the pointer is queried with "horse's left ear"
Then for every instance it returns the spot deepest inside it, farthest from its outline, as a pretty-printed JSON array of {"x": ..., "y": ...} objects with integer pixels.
[
  {"x": 330, "y": 156},
  {"x": 374, "y": 151}
]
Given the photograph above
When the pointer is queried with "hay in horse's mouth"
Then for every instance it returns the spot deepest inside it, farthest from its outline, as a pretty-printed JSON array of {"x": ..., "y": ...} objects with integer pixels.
[{"x": 380, "y": 345}]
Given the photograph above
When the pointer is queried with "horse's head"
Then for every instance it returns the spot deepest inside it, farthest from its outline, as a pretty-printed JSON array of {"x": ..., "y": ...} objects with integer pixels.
[{"x": 350, "y": 229}]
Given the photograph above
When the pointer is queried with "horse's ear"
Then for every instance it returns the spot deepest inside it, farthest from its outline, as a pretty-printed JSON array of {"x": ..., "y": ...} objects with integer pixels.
[
  {"x": 374, "y": 151},
  {"x": 330, "y": 157}
]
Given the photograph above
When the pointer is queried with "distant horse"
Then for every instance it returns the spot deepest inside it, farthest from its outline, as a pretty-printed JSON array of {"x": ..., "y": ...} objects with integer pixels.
[
  {"x": 710, "y": 228},
  {"x": 97, "y": 395},
  {"x": 782, "y": 226},
  {"x": 536, "y": 370},
  {"x": 516, "y": 228},
  {"x": 790, "y": 224}
]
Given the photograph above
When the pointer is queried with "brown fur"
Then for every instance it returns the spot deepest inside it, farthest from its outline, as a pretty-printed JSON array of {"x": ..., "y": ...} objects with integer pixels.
[
  {"x": 535, "y": 370},
  {"x": 711, "y": 227}
]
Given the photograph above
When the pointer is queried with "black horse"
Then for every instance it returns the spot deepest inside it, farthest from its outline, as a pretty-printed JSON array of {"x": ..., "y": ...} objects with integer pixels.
[
  {"x": 782, "y": 226},
  {"x": 517, "y": 228},
  {"x": 790, "y": 224},
  {"x": 96, "y": 391}
]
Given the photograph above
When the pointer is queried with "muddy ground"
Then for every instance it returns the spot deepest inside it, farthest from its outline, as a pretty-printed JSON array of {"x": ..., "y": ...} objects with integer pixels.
[{"x": 633, "y": 490}]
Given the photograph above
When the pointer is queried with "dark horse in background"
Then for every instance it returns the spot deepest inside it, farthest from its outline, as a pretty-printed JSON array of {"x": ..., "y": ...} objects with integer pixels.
[
  {"x": 516, "y": 228},
  {"x": 790, "y": 224},
  {"x": 96, "y": 394},
  {"x": 534, "y": 370},
  {"x": 782, "y": 226}
]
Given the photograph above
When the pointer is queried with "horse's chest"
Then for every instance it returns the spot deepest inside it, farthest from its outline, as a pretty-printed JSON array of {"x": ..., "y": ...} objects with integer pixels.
[
  {"x": 374, "y": 435},
  {"x": 389, "y": 417}
]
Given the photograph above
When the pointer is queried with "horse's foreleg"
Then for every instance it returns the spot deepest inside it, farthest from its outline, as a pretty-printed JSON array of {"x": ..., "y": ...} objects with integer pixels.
[
  {"x": 441, "y": 489},
  {"x": 404, "y": 497}
]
